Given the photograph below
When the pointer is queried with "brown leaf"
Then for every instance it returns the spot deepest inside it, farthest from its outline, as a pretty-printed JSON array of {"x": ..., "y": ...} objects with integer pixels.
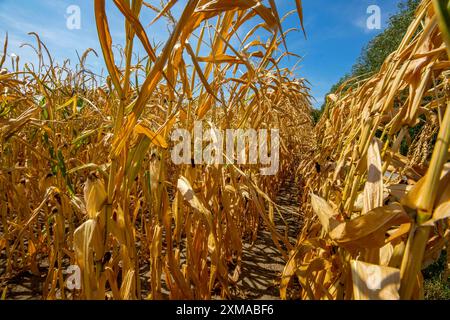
[
  {"x": 368, "y": 231},
  {"x": 326, "y": 214}
]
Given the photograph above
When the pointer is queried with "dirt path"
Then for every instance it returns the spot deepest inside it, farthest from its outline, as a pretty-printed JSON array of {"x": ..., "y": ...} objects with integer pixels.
[{"x": 262, "y": 263}]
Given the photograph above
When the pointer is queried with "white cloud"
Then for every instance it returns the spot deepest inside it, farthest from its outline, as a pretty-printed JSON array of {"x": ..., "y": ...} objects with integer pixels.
[{"x": 361, "y": 23}]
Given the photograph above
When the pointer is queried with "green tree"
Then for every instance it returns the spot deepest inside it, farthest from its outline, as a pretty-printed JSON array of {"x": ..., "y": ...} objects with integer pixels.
[{"x": 380, "y": 47}]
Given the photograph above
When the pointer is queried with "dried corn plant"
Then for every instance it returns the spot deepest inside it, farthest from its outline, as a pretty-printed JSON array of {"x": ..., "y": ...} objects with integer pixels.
[
  {"x": 85, "y": 169},
  {"x": 375, "y": 213}
]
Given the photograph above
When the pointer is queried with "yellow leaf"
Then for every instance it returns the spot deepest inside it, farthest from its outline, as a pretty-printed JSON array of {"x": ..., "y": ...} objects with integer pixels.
[
  {"x": 185, "y": 188},
  {"x": 368, "y": 231},
  {"x": 155, "y": 138},
  {"x": 373, "y": 189},
  {"x": 326, "y": 214},
  {"x": 106, "y": 42},
  {"x": 94, "y": 195}
]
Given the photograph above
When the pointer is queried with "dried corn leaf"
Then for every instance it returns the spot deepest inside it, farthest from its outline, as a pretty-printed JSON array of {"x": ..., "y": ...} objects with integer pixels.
[
  {"x": 369, "y": 231},
  {"x": 326, "y": 214}
]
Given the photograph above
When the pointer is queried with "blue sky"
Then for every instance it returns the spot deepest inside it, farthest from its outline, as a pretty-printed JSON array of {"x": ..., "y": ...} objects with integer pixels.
[{"x": 336, "y": 32}]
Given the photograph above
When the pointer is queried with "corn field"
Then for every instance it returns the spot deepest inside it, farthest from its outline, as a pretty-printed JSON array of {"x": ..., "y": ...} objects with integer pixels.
[{"x": 86, "y": 177}]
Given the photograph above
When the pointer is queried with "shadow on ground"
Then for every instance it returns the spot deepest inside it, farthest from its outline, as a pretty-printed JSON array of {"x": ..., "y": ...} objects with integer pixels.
[{"x": 262, "y": 263}]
